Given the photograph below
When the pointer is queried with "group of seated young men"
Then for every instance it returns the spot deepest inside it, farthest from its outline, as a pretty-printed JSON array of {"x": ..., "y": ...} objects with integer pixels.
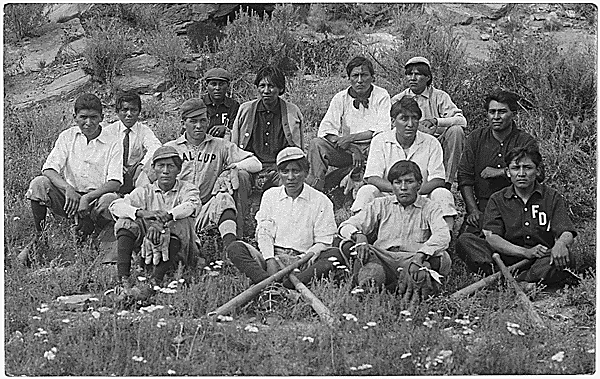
[{"x": 400, "y": 156}]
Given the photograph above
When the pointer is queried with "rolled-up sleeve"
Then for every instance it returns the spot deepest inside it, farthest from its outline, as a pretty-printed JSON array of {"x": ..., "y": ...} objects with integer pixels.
[
  {"x": 449, "y": 112},
  {"x": 128, "y": 205},
  {"x": 190, "y": 204},
  {"x": 492, "y": 218},
  {"x": 331, "y": 123},
  {"x": 364, "y": 221},
  {"x": 57, "y": 158},
  {"x": 376, "y": 160}
]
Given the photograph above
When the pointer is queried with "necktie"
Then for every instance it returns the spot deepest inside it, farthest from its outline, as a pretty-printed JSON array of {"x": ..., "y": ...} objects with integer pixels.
[{"x": 126, "y": 146}]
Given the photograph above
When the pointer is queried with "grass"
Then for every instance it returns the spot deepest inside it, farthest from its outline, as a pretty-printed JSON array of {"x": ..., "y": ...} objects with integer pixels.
[{"x": 442, "y": 337}]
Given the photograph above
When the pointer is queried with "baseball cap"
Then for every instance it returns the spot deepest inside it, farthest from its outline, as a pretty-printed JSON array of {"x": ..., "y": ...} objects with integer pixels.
[
  {"x": 289, "y": 154},
  {"x": 192, "y": 107},
  {"x": 217, "y": 73},
  {"x": 415, "y": 60},
  {"x": 164, "y": 152}
]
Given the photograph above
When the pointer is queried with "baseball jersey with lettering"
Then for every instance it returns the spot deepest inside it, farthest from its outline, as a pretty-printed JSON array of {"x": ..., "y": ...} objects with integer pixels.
[
  {"x": 203, "y": 164},
  {"x": 540, "y": 221}
]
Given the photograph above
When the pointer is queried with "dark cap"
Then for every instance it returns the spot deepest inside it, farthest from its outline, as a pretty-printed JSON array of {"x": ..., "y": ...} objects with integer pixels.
[
  {"x": 217, "y": 73},
  {"x": 164, "y": 152},
  {"x": 192, "y": 108}
]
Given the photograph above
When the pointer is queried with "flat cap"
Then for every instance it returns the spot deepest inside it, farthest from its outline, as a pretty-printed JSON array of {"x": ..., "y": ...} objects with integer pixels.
[
  {"x": 192, "y": 108},
  {"x": 289, "y": 154},
  {"x": 415, "y": 60},
  {"x": 218, "y": 73},
  {"x": 164, "y": 152}
]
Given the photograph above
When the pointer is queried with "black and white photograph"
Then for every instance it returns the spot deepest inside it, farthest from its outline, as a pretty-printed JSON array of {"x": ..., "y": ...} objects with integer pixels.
[{"x": 299, "y": 189}]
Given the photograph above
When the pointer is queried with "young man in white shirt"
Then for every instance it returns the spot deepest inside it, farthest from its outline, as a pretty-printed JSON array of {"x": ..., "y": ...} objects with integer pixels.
[
  {"x": 355, "y": 115},
  {"x": 293, "y": 219},
  {"x": 80, "y": 177}
]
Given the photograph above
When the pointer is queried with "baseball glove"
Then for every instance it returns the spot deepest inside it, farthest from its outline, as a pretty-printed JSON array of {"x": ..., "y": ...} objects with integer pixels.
[
  {"x": 418, "y": 286},
  {"x": 228, "y": 182}
]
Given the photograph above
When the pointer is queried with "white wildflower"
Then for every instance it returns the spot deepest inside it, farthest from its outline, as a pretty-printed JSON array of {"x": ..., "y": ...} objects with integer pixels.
[
  {"x": 224, "y": 318},
  {"x": 357, "y": 290},
  {"x": 558, "y": 357},
  {"x": 161, "y": 322},
  {"x": 141, "y": 278},
  {"x": 309, "y": 339},
  {"x": 96, "y": 314},
  {"x": 405, "y": 355},
  {"x": 251, "y": 328},
  {"x": 51, "y": 354},
  {"x": 405, "y": 313},
  {"x": 371, "y": 323},
  {"x": 171, "y": 372}
]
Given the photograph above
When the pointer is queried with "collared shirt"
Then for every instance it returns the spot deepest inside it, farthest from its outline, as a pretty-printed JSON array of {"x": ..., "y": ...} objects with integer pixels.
[
  {"x": 426, "y": 151},
  {"x": 86, "y": 166},
  {"x": 343, "y": 119},
  {"x": 203, "y": 164},
  {"x": 294, "y": 223},
  {"x": 418, "y": 227},
  {"x": 183, "y": 200},
  {"x": 222, "y": 114},
  {"x": 142, "y": 141},
  {"x": 483, "y": 150},
  {"x": 540, "y": 221},
  {"x": 268, "y": 138},
  {"x": 435, "y": 103}
]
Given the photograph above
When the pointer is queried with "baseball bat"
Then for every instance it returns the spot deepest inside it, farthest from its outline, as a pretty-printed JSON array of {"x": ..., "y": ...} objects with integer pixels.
[
  {"x": 310, "y": 298},
  {"x": 535, "y": 317},
  {"x": 255, "y": 289},
  {"x": 484, "y": 282}
]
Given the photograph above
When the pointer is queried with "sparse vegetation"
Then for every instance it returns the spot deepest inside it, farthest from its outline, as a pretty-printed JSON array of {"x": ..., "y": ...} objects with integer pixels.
[
  {"x": 110, "y": 44},
  {"x": 23, "y": 20},
  {"x": 442, "y": 337}
]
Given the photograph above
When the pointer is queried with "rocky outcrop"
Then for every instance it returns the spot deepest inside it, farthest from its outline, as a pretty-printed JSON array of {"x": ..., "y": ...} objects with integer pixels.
[
  {"x": 141, "y": 74},
  {"x": 62, "y": 87},
  {"x": 66, "y": 12}
]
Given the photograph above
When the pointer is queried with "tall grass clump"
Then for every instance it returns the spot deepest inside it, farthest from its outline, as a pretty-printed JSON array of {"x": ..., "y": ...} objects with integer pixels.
[
  {"x": 109, "y": 45},
  {"x": 170, "y": 50},
  {"x": 23, "y": 20}
]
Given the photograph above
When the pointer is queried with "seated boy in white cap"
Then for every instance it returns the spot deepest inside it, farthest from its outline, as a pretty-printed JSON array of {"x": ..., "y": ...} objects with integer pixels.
[
  {"x": 159, "y": 219},
  {"x": 293, "y": 219},
  {"x": 221, "y": 108},
  {"x": 218, "y": 168},
  {"x": 441, "y": 117}
]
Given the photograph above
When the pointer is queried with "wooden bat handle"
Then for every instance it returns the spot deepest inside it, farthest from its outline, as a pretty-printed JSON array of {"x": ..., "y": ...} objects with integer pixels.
[
  {"x": 310, "y": 298},
  {"x": 472, "y": 288},
  {"x": 534, "y": 316},
  {"x": 255, "y": 289}
]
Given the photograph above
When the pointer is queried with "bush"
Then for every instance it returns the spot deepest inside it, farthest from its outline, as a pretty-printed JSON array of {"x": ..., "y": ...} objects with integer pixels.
[
  {"x": 141, "y": 16},
  {"x": 106, "y": 50},
  {"x": 170, "y": 50},
  {"x": 23, "y": 20}
]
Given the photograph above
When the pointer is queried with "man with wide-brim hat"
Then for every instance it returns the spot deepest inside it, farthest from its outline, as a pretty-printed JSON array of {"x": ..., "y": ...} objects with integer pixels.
[
  {"x": 221, "y": 108},
  {"x": 441, "y": 117}
]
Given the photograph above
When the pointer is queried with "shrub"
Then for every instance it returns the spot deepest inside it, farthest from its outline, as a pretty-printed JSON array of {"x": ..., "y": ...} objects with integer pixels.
[
  {"x": 23, "y": 20},
  {"x": 106, "y": 50},
  {"x": 144, "y": 17},
  {"x": 170, "y": 50},
  {"x": 204, "y": 35}
]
